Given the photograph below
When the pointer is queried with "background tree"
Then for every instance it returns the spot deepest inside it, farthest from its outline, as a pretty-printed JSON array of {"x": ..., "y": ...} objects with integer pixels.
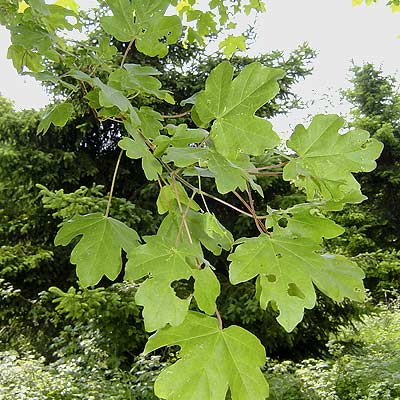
[{"x": 373, "y": 226}]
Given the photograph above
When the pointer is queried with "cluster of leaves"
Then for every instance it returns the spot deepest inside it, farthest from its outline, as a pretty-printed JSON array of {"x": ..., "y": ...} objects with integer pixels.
[{"x": 286, "y": 261}]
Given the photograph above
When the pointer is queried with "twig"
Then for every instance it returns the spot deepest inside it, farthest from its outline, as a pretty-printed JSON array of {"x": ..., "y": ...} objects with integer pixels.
[
  {"x": 126, "y": 52},
  {"x": 268, "y": 167},
  {"x": 265, "y": 173},
  {"x": 113, "y": 183},
  {"x": 197, "y": 190},
  {"x": 177, "y": 115},
  {"x": 202, "y": 195},
  {"x": 181, "y": 211},
  {"x": 218, "y": 315},
  {"x": 260, "y": 226},
  {"x": 183, "y": 222}
]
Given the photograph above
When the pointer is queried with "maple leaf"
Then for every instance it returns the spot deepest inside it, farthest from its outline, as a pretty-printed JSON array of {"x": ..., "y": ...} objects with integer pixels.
[
  {"x": 229, "y": 173},
  {"x": 134, "y": 78},
  {"x": 165, "y": 262},
  {"x": 231, "y": 44},
  {"x": 58, "y": 116},
  {"x": 145, "y": 22},
  {"x": 137, "y": 149},
  {"x": 303, "y": 220},
  {"x": 211, "y": 361},
  {"x": 232, "y": 105},
  {"x": 288, "y": 265},
  {"x": 327, "y": 160},
  {"x": 98, "y": 252}
]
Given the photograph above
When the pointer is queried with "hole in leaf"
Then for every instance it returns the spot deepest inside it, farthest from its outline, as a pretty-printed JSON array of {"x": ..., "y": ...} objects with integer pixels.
[
  {"x": 294, "y": 291},
  {"x": 271, "y": 278},
  {"x": 282, "y": 222},
  {"x": 183, "y": 288}
]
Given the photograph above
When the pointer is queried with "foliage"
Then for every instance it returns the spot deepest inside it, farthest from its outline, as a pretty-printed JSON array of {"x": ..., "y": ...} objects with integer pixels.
[
  {"x": 178, "y": 158},
  {"x": 364, "y": 366},
  {"x": 30, "y": 377}
]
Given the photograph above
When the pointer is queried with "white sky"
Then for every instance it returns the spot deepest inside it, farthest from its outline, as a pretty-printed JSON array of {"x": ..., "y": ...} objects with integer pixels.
[{"x": 338, "y": 31}]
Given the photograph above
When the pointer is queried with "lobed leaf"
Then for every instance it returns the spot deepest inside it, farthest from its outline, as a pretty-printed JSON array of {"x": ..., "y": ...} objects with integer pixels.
[
  {"x": 327, "y": 160},
  {"x": 98, "y": 252},
  {"x": 288, "y": 264},
  {"x": 211, "y": 361},
  {"x": 232, "y": 104}
]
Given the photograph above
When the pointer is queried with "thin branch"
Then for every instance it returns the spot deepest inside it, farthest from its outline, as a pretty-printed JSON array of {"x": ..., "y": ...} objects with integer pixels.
[
  {"x": 113, "y": 183},
  {"x": 181, "y": 211},
  {"x": 197, "y": 190},
  {"x": 268, "y": 167},
  {"x": 184, "y": 221},
  {"x": 265, "y": 173},
  {"x": 202, "y": 195},
  {"x": 218, "y": 315},
  {"x": 182, "y": 114},
  {"x": 187, "y": 184},
  {"x": 260, "y": 226},
  {"x": 126, "y": 52}
]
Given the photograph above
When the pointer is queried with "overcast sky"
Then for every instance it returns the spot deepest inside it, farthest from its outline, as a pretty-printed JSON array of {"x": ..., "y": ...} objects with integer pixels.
[{"x": 338, "y": 31}]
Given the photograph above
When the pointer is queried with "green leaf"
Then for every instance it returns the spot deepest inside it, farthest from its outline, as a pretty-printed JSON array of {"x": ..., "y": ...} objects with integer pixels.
[
  {"x": 155, "y": 27},
  {"x": 232, "y": 105},
  {"x": 105, "y": 51},
  {"x": 164, "y": 261},
  {"x": 210, "y": 232},
  {"x": 135, "y": 78},
  {"x": 287, "y": 267},
  {"x": 229, "y": 174},
  {"x": 327, "y": 160},
  {"x": 58, "y": 116},
  {"x": 137, "y": 149},
  {"x": 98, "y": 252},
  {"x": 206, "y": 289},
  {"x": 183, "y": 136},
  {"x": 167, "y": 198},
  {"x": 121, "y": 25},
  {"x": 145, "y": 22},
  {"x": 231, "y": 44},
  {"x": 149, "y": 122},
  {"x": 306, "y": 221},
  {"x": 108, "y": 95},
  {"x": 211, "y": 361}
]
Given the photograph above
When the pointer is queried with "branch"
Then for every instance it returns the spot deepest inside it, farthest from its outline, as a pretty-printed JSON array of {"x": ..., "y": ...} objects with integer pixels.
[
  {"x": 177, "y": 115},
  {"x": 260, "y": 226},
  {"x": 126, "y": 52},
  {"x": 113, "y": 183},
  {"x": 183, "y": 214}
]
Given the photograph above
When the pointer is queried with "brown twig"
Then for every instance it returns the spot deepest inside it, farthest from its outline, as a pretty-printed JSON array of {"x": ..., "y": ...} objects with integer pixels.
[
  {"x": 113, "y": 183},
  {"x": 126, "y": 52},
  {"x": 269, "y": 167},
  {"x": 265, "y": 173},
  {"x": 181, "y": 211},
  {"x": 183, "y": 222},
  {"x": 202, "y": 195},
  {"x": 182, "y": 114},
  {"x": 197, "y": 190},
  {"x": 218, "y": 315},
  {"x": 260, "y": 226}
]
